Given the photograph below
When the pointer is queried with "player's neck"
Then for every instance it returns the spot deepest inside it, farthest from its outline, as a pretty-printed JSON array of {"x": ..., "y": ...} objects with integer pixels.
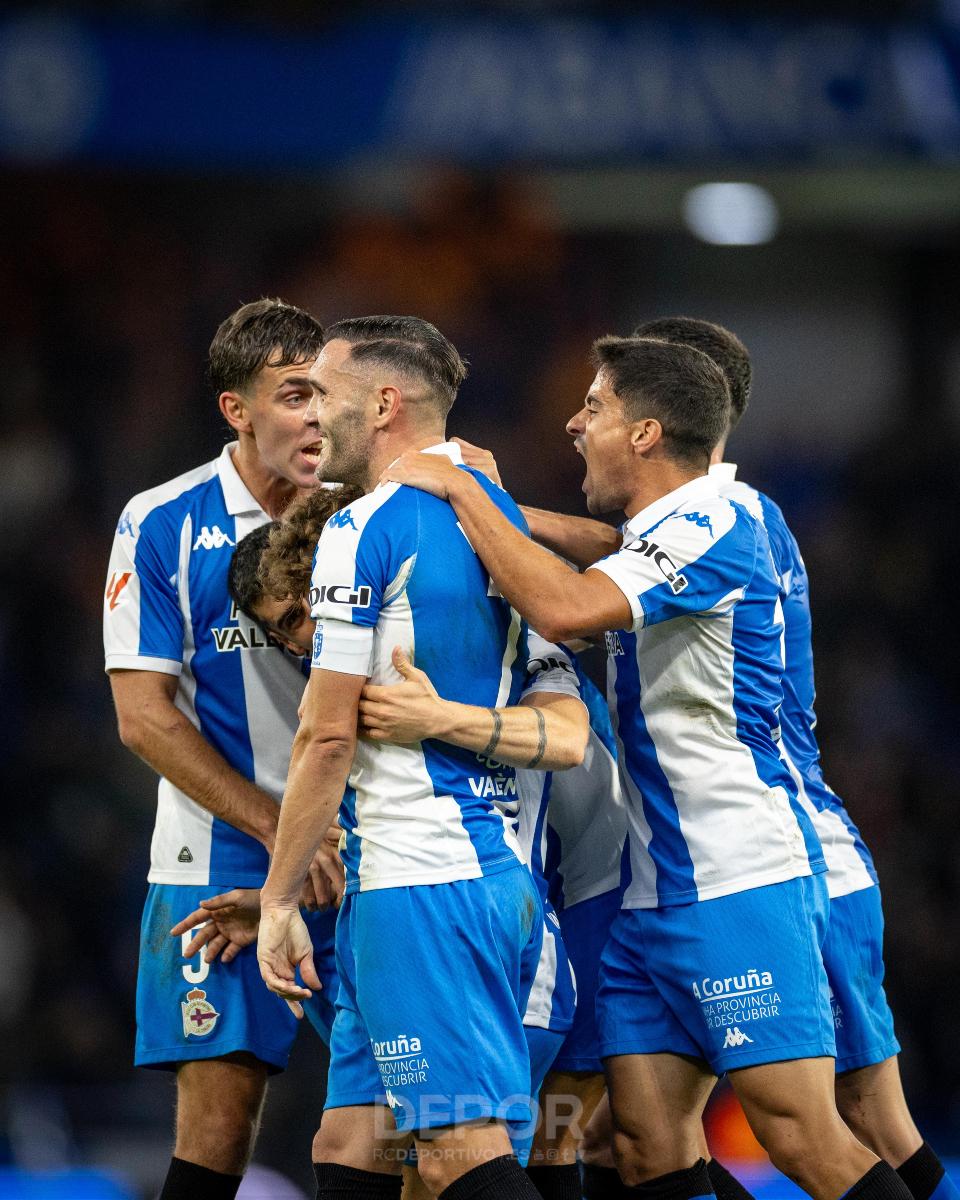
[
  {"x": 658, "y": 479},
  {"x": 272, "y": 492},
  {"x": 396, "y": 443}
]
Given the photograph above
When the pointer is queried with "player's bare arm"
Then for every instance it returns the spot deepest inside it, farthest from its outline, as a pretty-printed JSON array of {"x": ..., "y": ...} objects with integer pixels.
[
  {"x": 319, "y": 766},
  {"x": 157, "y": 731},
  {"x": 580, "y": 540},
  {"x": 546, "y": 731},
  {"x": 556, "y": 600}
]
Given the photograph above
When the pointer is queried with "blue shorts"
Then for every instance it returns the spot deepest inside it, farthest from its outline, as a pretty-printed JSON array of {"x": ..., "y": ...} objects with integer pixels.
[
  {"x": 553, "y": 997},
  {"x": 188, "y": 1009},
  {"x": 853, "y": 956},
  {"x": 736, "y": 981},
  {"x": 542, "y": 1045},
  {"x": 585, "y": 928},
  {"x": 433, "y": 981}
]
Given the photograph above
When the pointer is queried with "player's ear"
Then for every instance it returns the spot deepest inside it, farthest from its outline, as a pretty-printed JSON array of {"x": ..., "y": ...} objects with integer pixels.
[
  {"x": 388, "y": 405},
  {"x": 645, "y": 434},
  {"x": 234, "y": 410}
]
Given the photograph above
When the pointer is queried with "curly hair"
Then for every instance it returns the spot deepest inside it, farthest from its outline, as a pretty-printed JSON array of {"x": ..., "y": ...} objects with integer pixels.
[{"x": 287, "y": 560}]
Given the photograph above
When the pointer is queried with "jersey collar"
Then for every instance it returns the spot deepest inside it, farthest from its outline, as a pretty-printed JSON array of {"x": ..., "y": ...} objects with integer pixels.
[
  {"x": 704, "y": 487},
  {"x": 235, "y": 492},
  {"x": 450, "y": 449},
  {"x": 723, "y": 473}
]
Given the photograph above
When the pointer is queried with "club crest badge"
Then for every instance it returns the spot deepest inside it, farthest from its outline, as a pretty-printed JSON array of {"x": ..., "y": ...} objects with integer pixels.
[{"x": 199, "y": 1015}]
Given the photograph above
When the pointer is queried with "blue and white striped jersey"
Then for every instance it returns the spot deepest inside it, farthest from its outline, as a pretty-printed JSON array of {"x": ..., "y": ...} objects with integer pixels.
[
  {"x": 573, "y": 824},
  {"x": 553, "y": 996},
  {"x": 695, "y": 687},
  {"x": 849, "y": 862},
  {"x": 167, "y": 609},
  {"x": 395, "y": 569}
]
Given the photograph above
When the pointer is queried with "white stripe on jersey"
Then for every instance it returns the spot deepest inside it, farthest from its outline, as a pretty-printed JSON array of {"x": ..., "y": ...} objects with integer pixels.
[{"x": 180, "y": 820}]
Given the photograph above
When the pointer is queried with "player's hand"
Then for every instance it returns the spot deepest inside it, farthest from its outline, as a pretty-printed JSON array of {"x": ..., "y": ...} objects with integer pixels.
[
  {"x": 433, "y": 473},
  {"x": 283, "y": 945},
  {"x": 323, "y": 887},
  {"x": 481, "y": 460},
  {"x": 401, "y": 713},
  {"x": 227, "y": 923}
]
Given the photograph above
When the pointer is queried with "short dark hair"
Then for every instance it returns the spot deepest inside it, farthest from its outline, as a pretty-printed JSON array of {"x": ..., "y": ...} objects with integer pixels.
[
  {"x": 243, "y": 575},
  {"x": 410, "y": 344},
  {"x": 681, "y": 387},
  {"x": 266, "y": 332},
  {"x": 724, "y": 347}
]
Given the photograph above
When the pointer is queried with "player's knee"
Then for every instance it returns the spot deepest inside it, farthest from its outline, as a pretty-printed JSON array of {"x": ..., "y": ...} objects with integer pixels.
[{"x": 332, "y": 1141}]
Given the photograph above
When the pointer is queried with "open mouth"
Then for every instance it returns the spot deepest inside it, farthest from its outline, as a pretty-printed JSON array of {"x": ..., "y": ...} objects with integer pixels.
[{"x": 312, "y": 452}]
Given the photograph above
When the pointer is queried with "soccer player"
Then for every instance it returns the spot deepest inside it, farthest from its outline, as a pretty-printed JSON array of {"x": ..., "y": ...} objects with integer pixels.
[
  {"x": 269, "y": 580},
  {"x": 582, "y": 821},
  {"x": 441, "y": 927},
  {"x": 714, "y": 962},
  {"x": 211, "y": 705},
  {"x": 868, "y": 1088}
]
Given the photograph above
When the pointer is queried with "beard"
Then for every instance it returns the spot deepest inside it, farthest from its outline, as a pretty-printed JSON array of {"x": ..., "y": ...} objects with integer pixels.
[{"x": 345, "y": 457}]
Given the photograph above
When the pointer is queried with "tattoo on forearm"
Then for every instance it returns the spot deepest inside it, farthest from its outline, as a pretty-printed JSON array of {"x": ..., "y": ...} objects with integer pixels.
[
  {"x": 495, "y": 736},
  {"x": 541, "y": 741}
]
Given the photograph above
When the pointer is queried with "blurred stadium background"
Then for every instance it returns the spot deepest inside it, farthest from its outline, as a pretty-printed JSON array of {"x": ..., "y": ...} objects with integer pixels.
[{"x": 527, "y": 175}]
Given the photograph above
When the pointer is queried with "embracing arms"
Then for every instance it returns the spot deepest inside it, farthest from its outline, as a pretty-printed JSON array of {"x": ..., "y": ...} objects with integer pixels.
[{"x": 547, "y": 730}]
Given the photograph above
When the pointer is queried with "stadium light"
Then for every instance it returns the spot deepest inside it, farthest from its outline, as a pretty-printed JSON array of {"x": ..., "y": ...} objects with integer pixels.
[{"x": 731, "y": 214}]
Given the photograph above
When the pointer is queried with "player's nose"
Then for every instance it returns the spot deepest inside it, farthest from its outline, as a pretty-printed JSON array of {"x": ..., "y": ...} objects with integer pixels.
[
  {"x": 575, "y": 424},
  {"x": 311, "y": 414}
]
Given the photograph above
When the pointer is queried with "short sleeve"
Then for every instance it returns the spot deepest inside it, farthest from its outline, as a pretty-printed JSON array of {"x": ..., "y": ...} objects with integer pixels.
[
  {"x": 143, "y": 624},
  {"x": 361, "y": 562},
  {"x": 550, "y": 668},
  {"x": 685, "y": 567}
]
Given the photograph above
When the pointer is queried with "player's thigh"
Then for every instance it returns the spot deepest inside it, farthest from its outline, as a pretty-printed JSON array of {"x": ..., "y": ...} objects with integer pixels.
[
  {"x": 568, "y": 1100},
  {"x": 656, "y": 1103},
  {"x": 219, "y": 1103},
  {"x": 871, "y": 1101},
  {"x": 438, "y": 991},
  {"x": 853, "y": 957},
  {"x": 190, "y": 1010}
]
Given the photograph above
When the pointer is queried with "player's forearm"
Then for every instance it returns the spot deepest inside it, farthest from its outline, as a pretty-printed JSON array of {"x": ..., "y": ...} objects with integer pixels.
[
  {"x": 579, "y": 539},
  {"x": 167, "y": 741},
  {"x": 315, "y": 785},
  {"x": 543, "y": 739}
]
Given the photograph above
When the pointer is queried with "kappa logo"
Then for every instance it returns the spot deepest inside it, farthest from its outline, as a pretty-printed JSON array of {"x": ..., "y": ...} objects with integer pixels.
[
  {"x": 701, "y": 520},
  {"x": 212, "y": 539},
  {"x": 735, "y": 1038},
  {"x": 199, "y": 1015},
  {"x": 126, "y": 524},
  {"x": 668, "y": 568},
  {"x": 115, "y": 585},
  {"x": 341, "y": 519}
]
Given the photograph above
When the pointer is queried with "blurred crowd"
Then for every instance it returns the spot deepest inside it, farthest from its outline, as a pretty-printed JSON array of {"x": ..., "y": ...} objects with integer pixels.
[{"x": 113, "y": 287}]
